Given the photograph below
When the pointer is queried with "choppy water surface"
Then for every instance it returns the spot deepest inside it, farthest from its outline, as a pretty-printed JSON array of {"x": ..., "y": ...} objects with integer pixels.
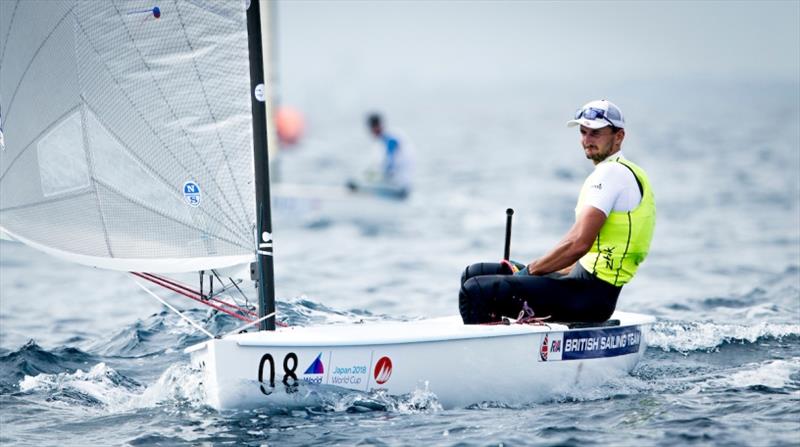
[{"x": 86, "y": 358}]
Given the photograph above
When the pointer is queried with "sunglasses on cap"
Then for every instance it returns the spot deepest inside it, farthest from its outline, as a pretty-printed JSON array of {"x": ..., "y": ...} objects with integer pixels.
[{"x": 592, "y": 113}]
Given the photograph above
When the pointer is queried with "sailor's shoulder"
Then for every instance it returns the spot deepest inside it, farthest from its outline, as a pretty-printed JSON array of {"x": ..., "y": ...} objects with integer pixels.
[
  {"x": 612, "y": 168},
  {"x": 612, "y": 176}
]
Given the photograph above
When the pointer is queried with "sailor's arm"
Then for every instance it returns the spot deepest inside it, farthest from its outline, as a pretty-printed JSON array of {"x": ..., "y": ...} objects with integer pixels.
[{"x": 576, "y": 243}]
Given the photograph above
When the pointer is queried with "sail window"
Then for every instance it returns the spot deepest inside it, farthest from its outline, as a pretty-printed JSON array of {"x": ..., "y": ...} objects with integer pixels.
[
  {"x": 128, "y": 177},
  {"x": 62, "y": 158}
]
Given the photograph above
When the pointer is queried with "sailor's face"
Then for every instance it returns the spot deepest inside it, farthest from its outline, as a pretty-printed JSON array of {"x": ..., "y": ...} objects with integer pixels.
[{"x": 600, "y": 143}]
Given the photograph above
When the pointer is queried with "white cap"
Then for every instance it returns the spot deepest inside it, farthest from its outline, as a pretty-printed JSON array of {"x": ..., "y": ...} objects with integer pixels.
[{"x": 598, "y": 114}]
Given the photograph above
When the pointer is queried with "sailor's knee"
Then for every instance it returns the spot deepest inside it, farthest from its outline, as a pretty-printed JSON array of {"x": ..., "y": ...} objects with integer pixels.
[
  {"x": 472, "y": 270},
  {"x": 479, "y": 269},
  {"x": 464, "y": 276},
  {"x": 469, "y": 297}
]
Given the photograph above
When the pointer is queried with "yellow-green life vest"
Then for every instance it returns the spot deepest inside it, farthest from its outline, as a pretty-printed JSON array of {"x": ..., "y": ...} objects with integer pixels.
[{"x": 624, "y": 239}]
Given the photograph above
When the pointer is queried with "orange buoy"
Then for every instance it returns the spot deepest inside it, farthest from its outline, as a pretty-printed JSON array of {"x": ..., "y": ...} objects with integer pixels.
[{"x": 289, "y": 124}]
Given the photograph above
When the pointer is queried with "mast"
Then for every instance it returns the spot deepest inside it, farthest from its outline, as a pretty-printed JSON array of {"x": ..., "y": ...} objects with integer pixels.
[{"x": 265, "y": 269}]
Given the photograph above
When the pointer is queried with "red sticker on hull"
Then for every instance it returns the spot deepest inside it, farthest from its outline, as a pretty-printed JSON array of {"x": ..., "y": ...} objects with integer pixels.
[{"x": 383, "y": 370}]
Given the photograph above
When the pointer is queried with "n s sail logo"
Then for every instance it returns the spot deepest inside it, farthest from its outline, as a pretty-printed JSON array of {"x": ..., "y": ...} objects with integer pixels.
[
  {"x": 383, "y": 370},
  {"x": 191, "y": 194}
]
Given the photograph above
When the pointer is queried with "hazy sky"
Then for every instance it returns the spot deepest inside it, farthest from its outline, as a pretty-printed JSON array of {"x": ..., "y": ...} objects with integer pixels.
[{"x": 567, "y": 40}]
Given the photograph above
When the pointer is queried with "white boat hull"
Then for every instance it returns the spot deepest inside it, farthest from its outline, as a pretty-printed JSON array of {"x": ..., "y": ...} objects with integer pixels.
[{"x": 460, "y": 364}]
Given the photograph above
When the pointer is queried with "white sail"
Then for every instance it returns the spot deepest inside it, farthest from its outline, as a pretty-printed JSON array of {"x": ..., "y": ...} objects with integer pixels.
[{"x": 128, "y": 132}]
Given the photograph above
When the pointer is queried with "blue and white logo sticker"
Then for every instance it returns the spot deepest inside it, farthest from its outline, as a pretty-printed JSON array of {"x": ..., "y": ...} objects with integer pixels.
[
  {"x": 590, "y": 344},
  {"x": 191, "y": 193}
]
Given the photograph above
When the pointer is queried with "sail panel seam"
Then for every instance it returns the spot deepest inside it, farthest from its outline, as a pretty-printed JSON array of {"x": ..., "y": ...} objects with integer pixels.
[
  {"x": 211, "y": 112},
  {"x": 155, "y": 134},
  {"x": 191, "y": 144},
  {"x": 170, "y": 218},
  {"x": 57, "y": 122},
  {"x": 88, "y": 151},
  {"x": 30, "y": 63},
  {"x": 10, "y": 27}
]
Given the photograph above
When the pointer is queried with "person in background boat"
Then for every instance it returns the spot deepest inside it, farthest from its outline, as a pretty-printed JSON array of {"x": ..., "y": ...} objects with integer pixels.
[
  {"x": 581, "y": 277},
  {"x": 393, "y": 176}
]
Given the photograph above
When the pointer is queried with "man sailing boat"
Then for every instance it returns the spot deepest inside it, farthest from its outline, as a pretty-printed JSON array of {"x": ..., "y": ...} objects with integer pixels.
[{"x": 581, "y": 277}]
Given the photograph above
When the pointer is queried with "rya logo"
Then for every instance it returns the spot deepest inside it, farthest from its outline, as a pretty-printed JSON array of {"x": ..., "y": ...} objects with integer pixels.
[{"x": 543, "y": 350}]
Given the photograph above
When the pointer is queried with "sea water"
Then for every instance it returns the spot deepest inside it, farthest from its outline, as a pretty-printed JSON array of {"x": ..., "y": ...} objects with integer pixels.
[{"x": 87, "y": 358}]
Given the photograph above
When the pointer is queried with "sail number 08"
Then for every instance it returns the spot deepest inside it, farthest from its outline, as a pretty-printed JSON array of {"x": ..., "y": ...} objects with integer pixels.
[{"x": 288, "y": 372}]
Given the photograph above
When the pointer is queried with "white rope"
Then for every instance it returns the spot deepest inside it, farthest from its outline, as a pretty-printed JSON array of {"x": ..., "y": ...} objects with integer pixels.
[
  {"x": 188, "y": 320},
  {"x": 235, "y": 331}
]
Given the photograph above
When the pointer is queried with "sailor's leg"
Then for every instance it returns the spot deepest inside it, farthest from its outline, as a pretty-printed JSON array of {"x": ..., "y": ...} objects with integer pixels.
[
  {"x": 484, "y": 299},
  {"x": 487, "y": 298}
]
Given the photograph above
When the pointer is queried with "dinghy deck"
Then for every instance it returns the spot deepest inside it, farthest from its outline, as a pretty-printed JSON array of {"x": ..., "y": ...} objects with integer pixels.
[{"x": 402, "y": 332}]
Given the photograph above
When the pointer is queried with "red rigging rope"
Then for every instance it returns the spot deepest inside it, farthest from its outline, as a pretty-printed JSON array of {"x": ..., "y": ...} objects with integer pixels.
[
  {"x": 192, "y": 294},
  {"x": 188, "y": 294},
  {"x": 201, "y": 296}
]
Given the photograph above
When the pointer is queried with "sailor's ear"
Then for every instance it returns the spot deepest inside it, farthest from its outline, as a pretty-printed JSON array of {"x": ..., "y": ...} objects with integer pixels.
[{"x": 619, "y": 135}]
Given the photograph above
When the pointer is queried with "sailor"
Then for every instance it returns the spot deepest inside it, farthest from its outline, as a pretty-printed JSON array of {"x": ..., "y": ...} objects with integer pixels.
[
  {"x": 396, "y": 166},
  {"x": 581, "y": 277}
]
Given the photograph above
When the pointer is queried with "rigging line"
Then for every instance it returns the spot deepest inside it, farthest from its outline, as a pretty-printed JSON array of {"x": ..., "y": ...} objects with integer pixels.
[
  {"x": 191, "y": 144},
  {"x": 221, "y": 281},
  {"x": 188, "y": 320},
  {"x": 224, "y": 291},
  {"x": 246, "y": 299},
  {"x": 166, "y": 282},
  {"x": 198, "y": 297},
  {"x": 190, "y": 296},
  {"x": 33, "y": 59},
  {"x": 208, "y": 106},
  {"x": 153, "y": 131},
  {"x": 10, "y": 27}
]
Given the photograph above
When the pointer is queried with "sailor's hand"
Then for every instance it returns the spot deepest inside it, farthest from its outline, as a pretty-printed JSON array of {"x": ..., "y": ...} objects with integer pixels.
[{"x": 530, "y": 267}]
